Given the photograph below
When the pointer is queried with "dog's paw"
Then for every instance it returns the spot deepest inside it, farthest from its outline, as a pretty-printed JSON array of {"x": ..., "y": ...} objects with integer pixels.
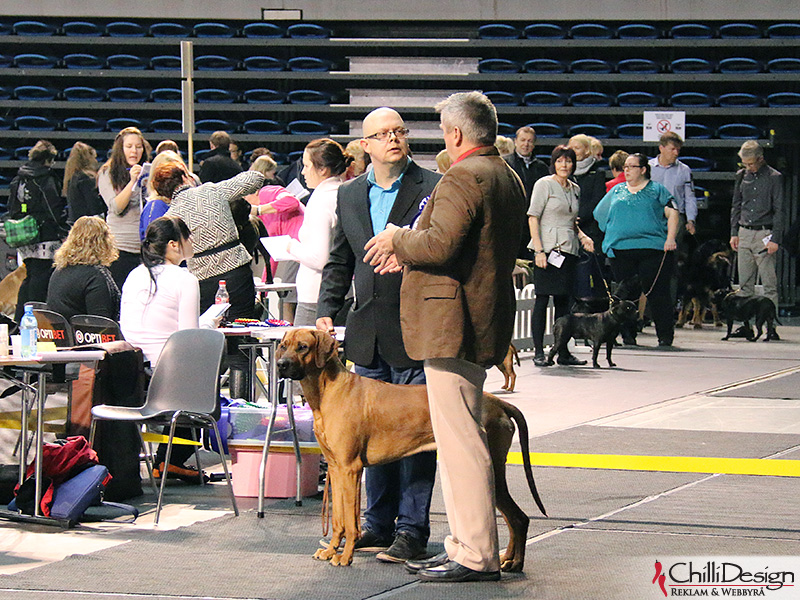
[
  {"x": 324, "y": 553},
  {"x": 698, "y": 325},
  {"x": 339, "y": 560},
  {"x": 510, "y": 564}
]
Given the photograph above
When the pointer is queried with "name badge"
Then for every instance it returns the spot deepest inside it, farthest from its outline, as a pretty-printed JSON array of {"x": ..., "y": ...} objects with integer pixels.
[{"x": 556, "y": 259}]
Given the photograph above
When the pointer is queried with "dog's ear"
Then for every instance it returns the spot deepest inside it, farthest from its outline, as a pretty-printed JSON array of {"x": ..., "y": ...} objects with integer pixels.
[{"x": 326, "y": 348}]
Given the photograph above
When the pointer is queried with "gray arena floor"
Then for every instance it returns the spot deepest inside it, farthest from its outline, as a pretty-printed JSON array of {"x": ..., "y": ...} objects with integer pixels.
[{"x": 611, "y": 517}]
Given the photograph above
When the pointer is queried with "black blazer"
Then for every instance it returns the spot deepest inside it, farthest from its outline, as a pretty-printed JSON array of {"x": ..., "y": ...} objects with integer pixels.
[
  {"x": 219, "y": 166},
  {"x": 374, "y": 319}
]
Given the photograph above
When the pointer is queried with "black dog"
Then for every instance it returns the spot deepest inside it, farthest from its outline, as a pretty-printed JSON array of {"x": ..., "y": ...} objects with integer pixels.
[
  {"x": 744, "y": 308},
  {"x": 599, "y": 328},
  {"x": 705, "y": 272}
]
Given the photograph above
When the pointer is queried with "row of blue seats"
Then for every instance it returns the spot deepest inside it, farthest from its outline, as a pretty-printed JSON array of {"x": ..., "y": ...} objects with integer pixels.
[
  {"x": 731, "y": 65},
  {"x": 38, "y": 93},
  {"x": 646, "y": 99},
  {"x": 92, "y": 124},
  {"x": 601, "y": 31},
  {"x": 260, "y": 29},
  {"x": 208, "y": 62},
  {"x": 634, "y": 130}
]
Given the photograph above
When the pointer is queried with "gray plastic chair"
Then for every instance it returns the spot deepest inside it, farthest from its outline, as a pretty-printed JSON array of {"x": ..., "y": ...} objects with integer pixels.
[{"x": 184, "y": 391}]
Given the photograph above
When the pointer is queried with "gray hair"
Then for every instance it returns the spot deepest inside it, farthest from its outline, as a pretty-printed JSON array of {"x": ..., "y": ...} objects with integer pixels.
[
  {"x": 751, "y": 149},
  {"x": 473, "y": 113}
]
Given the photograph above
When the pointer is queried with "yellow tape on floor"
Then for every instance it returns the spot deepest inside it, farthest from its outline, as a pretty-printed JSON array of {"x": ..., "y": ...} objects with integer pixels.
[
  {"x": 674, "y": 464},
  {"x": 10, "y": 419},
  {"x": 157, "y": 438}
]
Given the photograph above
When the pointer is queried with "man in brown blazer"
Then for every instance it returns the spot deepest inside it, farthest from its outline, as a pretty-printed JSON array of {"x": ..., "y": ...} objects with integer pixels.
[{"x": 457, "y": 308}]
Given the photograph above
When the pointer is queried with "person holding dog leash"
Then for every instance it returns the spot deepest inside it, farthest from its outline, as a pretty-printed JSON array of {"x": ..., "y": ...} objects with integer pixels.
[{"x": 457, "y": 309}]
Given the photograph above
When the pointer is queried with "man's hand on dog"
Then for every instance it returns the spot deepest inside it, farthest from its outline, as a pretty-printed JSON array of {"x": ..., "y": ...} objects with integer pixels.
[{"x": 380, "y": 251}]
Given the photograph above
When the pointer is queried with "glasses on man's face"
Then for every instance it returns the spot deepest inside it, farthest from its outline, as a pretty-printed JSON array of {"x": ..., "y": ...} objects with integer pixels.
[{"x": 399, "y": 133}]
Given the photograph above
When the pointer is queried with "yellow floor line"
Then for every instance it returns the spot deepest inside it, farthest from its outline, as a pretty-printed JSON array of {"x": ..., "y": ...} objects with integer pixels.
[
  {"x": 157, "y": 438},
  {"x": 673, "y": 464}
]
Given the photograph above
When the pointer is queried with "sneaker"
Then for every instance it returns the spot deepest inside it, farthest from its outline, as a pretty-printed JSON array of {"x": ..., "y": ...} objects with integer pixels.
[
  {"x": 369, "y": 542},
  {"x": 184, "y": 473},
  {"x": 405, "y": 547}
]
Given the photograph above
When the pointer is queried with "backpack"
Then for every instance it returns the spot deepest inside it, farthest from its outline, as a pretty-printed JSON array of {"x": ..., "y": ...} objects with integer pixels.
[{"x": 37, "y": 195}]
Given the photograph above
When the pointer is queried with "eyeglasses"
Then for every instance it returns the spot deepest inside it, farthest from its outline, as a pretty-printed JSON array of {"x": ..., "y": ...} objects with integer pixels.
[{"x": 399, "y": 133}]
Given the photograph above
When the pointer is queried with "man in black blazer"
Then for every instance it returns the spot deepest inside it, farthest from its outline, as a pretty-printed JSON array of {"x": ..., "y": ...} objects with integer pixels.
[
  {"x": 393, "y": 191},
  {"x": 219, "y": 166}
]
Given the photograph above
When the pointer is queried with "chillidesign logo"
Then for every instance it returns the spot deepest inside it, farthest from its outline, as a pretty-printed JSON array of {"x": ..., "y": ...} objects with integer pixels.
[{"x": 660, "y": 578}]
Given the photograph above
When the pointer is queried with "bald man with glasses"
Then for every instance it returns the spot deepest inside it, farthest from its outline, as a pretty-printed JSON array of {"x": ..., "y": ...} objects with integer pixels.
[{"x": 393, "y": 190}]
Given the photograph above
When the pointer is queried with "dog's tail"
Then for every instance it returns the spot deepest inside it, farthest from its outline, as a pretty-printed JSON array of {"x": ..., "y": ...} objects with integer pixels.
[
  {"x": 522, "y": 427},
  {"x": 516, "y": 354}
]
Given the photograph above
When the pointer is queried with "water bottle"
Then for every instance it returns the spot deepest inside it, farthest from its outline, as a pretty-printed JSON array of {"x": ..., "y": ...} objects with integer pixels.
[
  {"x": 29, "y": 332},
  {"x": 222, "y": 294}
]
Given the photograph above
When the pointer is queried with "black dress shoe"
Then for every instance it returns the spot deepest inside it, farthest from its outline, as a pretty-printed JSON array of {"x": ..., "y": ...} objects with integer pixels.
[
  {"x": 412, "y": 566},
  {"x": 540, "y": 361},
  {"x": 452, "y": 572},
  {"x": 571, "y": 361}
]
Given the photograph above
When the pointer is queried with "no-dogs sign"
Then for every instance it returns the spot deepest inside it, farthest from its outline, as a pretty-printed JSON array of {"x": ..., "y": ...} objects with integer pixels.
[{"x": 657, "y": 123}]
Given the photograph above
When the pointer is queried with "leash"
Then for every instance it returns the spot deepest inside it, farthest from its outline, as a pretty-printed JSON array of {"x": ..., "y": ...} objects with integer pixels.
[
  {"x": 661, "y": 266},
  {"x": 600, "y": 270},
  {"x": 326, "y": 511}
]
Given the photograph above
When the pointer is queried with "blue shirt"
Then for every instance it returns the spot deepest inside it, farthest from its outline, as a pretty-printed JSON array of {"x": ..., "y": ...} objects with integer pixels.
[
  {"x": 677, "y": 178},
  {"x": 633, "y": 221},
  {"x": 382, "y": 200},
  {"x": 152, "y": 210}
]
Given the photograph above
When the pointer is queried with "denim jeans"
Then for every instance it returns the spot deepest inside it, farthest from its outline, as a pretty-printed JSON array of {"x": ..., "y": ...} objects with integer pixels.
[{"x": 399, "y": 493}]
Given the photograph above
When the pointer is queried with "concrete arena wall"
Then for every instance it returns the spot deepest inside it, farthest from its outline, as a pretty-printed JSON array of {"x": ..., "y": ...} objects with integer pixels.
[{"x": 418, "y": 10}]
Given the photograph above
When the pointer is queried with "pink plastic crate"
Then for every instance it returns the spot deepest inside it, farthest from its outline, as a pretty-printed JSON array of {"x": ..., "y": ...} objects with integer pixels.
[{"x": 280, "y": 479}]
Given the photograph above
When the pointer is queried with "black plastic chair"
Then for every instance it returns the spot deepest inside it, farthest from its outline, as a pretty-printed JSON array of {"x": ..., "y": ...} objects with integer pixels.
[
  {"x": 218, "y": 30},
  {"x": 698, "y": 163},
  {"x": 547, "y": 130},
  {"x": 34, "y": 60},
  {"x": 739, "y": 131},
  {"x": 212, "y": 125},
  {"x": 590, "y": 65},
  {"x": 691, "y": 100},
  {"x": 33, "y": 28},
  {"x": 502, "y": 98},
  {"x": 83, "y": 124},
  {"x": 783, "y": 100},
  {"x": 214, "y": 62},
  {"x": 308, "y": 63},
  {"x": 53, "y": 327},
  {"x": 740, "y": 31},
  {"x": 645, "y": 99},
  {"x": 262, "y": 29},
  {"x": 201, "y": 155},
  {"x": 83, "y": 61},
  {"x": 94, "y": 329},
  {"x": 34, "y": 92},
  {"x": 34, "y": 123},
  {"x": 506, "y": 129},
  {"x": 264, "y": 96},
  {"x": 214, "y": 95},
  {"x": 263, "y": 63},
  {"x": 784, "y": 30},
  {"x": 498, "y": 65},
  {"x": 739, "y": 64},
  {"x": 591, "y": 129},
  {"x": 165, "y": 95},
  {"x": 308, "y": 97},
  {"x": 697, "y": 131},
  {"x": 638, "y": 65},
  {"x": 308, "y": 30},
  {"x": 126, "y": 94},
  {"x": 591, "y": 99},
  {"x": 740, "y": 100},
  {"x": 691, "y": 31},
  {"x": 126, "y": 62},
  {"x": 6, "y": 61},
  {"x": 125, "y": 29},
  {"x": 630, "y": 131},
  {"x": 308, "y": 127},
  {"x": 543, "y": 98},
  {"x": 81, "y": 29},
  {"x": 590, "y": 31},
  {"x": 166, "y": 126},
  {"x": 263, "y": 126},
  {"x": 544, "y": 30},
  {"x": 784, "y": 65},
  {"x": 498, "y": 31},
  {"x": 167, "y": 29},
  {"x": 166, "y": 62},
  {"x": 190, "y": 400},
  {"x": 120, "y": 123},
  {"x": 638, "y": 31},
  {"x": 691, "y": 65}
]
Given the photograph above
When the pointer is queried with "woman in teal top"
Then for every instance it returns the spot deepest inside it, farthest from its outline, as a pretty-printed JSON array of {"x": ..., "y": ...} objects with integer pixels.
[{"x": 640, "y": 221}]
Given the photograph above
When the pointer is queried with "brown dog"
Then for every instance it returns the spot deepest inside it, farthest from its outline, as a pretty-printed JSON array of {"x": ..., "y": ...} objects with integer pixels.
[
  {"x": 507, "y": 368},
  {"x": 361, "y": 422},
  {"x": 9, "y": 289}
]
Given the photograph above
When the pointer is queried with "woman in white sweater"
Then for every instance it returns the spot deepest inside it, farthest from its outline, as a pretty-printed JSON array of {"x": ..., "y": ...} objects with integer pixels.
[{"x": 324, "y": 163}]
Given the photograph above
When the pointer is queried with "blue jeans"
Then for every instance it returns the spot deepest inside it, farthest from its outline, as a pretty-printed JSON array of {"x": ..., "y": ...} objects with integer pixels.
[{"x": 399, "y": 493}]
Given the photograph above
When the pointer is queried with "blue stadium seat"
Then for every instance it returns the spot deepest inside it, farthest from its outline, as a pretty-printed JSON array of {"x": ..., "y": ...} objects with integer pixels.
[
  {"x": 594, "y": 129},
  {"x": 126, "y": 94},
  {"x": 740, "y": 30},
  {"x": 638, "y": 31},
  {"x": 6, "y": 61},
  {"x": 308, "y": 97},
  {"x": 82, "y": 124},
  {"x": 161, "y": 95},
  {"x": 630, "y": 131},
  {"x": 691, "y": 65},
  {"x": 218, "y": 30},
  {"x": 21, "y": 153},
  {"x": 590, "y": 31},
  {"x": 5, "y": 93},
  {"x": 212, "y": 125},
  {"x": 547, "y": 130},
  {"x": 590, "y": 99},
  {"x": 784, "y": 65},
  {"x": 34, "y": 92},
  {"x": 37, "y": 28},
  {"x": 166, "y": 126},
  {"x": 544, "y": 65},
  {"x": 498, "y": 31},
  {"x": 167, "y": 29},
  {"x": 262, "y": 29},
  {"x": 125, "y": 29},
  {"x": 784, "y": 30},
  {"x": 214, "y": 95},
  {"x": 544, "y": 30},
  {"x": 308, "y": 30},
  {"x": 201, "y": 155},
  {"x": 83, "y": 61},
  {"x": 82, "y": 93},
  {"x": 498, "y": 65},
  {"x": 502, "y": 98},
  {"x": 5, "y": 123},
  {"x": 590, "y": 65},
  {"x": 34, "y": 61},
  {"x": 278, "y": 157},
  {"x": 308, "y": 127},
  {"x": 506, "y": 129},
  {"x": 264, "y": 96},
  {"x": 691, "y": 30},
  {"x": 214, "y": 62},
  {"x": 698, "y": 163},
  {"x": 308, "y": 63},
  {"x": 34, "y": 122},
  {"x": 126, "y": 62},
  {"x": 263, "y": 63},
  {"x": 638, "y": 65},
  {"x": 295, "y": 155},
  {"x": 639, "y": 99},
  {"x": 5, "y": 154},
  {"x": 691, "y": 100},
  {"x": 543, "y": 98},
  {"x": 5, "y": 29},
  {"x": 739, "y": 65},
  {"x": 165, "y": 62},
  {"x": 120, "y": 123},
  {"x": 740, "y": 100},
  {"x": 783, "y": 99},
  {"x": 697, "y": 131},
  {"x": 81, "y": 29},
  {"x": 739, "y": 131},
  {"x": 263, "y": 126}
]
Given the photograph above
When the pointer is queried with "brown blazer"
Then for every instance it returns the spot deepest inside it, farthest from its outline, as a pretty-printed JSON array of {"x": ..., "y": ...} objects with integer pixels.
[{"x": 457, "y": 296}]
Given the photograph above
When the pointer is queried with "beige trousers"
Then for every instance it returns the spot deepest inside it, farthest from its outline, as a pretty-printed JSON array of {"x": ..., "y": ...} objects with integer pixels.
[{"x": 455, "y": 392}]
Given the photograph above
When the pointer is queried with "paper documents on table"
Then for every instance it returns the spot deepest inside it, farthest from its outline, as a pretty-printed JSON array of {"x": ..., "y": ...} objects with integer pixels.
[{"x": 277, "y": 247}]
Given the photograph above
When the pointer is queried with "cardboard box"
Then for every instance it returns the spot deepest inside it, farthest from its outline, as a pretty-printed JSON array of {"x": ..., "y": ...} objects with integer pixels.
[{"x": 280, "y": 480}]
